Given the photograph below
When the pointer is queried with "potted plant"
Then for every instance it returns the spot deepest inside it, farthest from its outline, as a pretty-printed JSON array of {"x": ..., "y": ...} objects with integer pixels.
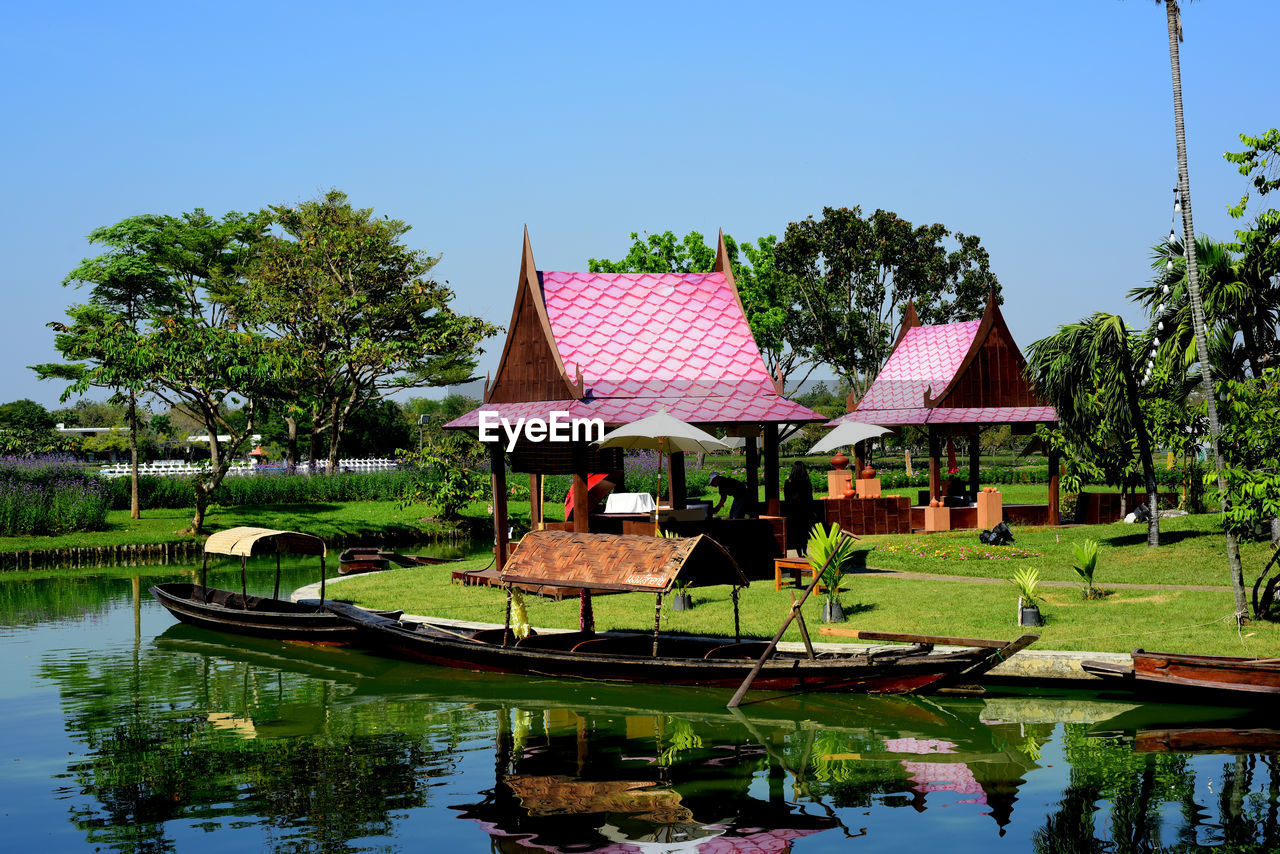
[
  {"x": 681, "y": 598},
  {"x": 1026, "y": 579},
  {"x": 830, "y": 547},
  {"x": 1086, "y": 562}
]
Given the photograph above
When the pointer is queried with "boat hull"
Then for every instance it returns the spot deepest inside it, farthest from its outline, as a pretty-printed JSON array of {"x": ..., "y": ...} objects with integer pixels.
[
  {"x": 228, "y": 611},
  {"x": 1196, "y": 676},
  {"x": 898, "y": 671}
]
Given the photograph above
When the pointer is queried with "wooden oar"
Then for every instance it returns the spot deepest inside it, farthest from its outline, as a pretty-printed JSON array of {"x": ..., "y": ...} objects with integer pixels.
[{"x": 773, "y": 644}]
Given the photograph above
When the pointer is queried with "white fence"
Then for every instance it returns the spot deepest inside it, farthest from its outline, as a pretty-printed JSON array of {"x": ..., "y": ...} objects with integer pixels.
[{"x": 182, "y": 468}]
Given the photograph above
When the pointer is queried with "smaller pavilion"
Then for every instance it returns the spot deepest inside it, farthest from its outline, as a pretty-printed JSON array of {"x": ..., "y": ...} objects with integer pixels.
[
  {"x": 623, "y": 346},
  {"x": 954, "y": 379}
]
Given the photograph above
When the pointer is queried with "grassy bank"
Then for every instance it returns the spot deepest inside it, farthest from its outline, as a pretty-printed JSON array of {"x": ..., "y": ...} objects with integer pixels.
[
  {"x": 374, "y": 518},
  {"x": 1175, "y": 620}
]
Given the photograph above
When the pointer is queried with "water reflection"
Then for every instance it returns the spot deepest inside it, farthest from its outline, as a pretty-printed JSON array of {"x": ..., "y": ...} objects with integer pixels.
[{"x": 174, "y": 732}]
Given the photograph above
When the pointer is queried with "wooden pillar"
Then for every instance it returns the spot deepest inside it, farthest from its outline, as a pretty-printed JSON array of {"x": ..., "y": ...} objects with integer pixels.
[
  {"x": 1055, "y": 463},
  {"x": 974, "y": 461},
  {"x": 753, "y": 476},
  {"x": 679, "y": 491},
  {"x": 773, "y": 506},
  {"x": 535, "y": 502},
  {"x": 498, "y": 476},
  {"x": 935, "y": 464},
  {"x": 581, "y": 512}
]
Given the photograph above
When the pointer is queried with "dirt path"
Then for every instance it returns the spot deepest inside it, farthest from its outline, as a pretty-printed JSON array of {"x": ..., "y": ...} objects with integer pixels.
[{"x": 969, "y": 579}]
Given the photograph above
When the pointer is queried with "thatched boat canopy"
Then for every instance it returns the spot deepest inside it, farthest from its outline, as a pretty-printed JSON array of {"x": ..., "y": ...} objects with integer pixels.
[
  {"x": 620, "y": 562},
  {"x": 245, "y": 542}
]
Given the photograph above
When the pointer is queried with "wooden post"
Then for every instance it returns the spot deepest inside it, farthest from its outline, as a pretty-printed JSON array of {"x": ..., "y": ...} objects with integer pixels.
[
  {"x": 1055, "y": 463},
  {"x": 498, "y": 471},
  {"x": 737, "y": 627},
  {"x": 581, "y": 512},
  {"x": 935, "y": 464},
  {"x": 974, "y": 461},
  {"x": 204, "y": 576},
  {"x": 244, "y": 594},
  {"x": 657, "y": 623},
  {"x": 276, "y": 593},
  {"x": 679, "y": 489},
  {"x": 506, "y": 623},
  {"x": 753, "y": 476},
  {"x": 535, "y": 502},
  {"x": 322, "y": 574},
  {"x": 773, "y": 506}
]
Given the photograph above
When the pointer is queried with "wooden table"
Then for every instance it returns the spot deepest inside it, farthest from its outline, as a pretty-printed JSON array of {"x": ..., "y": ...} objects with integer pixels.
[{"x": 798, "y": 567}]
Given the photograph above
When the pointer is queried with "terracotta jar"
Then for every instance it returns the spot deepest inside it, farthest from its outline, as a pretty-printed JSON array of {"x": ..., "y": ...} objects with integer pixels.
[
  {"x": 839, "y": 462},
  {"x": 868, "y": 473}
]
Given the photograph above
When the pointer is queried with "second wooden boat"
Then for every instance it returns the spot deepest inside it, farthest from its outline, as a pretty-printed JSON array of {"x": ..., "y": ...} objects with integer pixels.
[{"x": 1194, "y": 674}]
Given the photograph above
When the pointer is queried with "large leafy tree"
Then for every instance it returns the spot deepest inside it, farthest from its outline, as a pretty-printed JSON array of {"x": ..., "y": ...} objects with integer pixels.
[
  {"x": 357, "y": 310},
  {"x": 191, "y": 349},
  {"x": 127, "y": 286},
  {"x": 768, "y": 294},
  {"x": 1173, "y": 17},
  {"x": 1086, "y": 370},
  {"x": 853, "y": 276}
]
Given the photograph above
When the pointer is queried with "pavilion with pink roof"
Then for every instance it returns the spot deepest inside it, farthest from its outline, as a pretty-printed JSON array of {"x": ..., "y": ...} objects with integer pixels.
[
  {"x": 623, "y": 346},
  {"x": 953, "y": 379}
]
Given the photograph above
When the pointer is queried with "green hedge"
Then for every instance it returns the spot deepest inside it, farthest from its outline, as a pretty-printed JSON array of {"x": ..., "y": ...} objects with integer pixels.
[{"x": 243, "y": 490}]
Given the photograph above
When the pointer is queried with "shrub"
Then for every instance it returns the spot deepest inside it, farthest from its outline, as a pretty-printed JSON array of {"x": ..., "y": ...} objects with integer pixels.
[
  {"x": 1086, "y": 562},
  {"x": 49, "y": 495}
]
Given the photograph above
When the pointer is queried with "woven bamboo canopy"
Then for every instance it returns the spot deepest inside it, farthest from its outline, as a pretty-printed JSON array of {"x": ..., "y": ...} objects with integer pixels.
[
  {"x": 626, "y": 562},
  {"x": 245, "y": 541}
]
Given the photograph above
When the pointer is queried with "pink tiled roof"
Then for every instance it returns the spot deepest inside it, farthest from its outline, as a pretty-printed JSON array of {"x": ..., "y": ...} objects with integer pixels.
[
  {"x": 616, "y": 411},
  {"x": 925, "y": 361},
  {"x": 645, "y": 334}
]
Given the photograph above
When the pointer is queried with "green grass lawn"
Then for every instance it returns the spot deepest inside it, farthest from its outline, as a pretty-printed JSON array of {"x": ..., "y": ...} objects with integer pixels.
[
  {"x": 1192, "y": 551},
  {"x": 1170, "y": 620}
]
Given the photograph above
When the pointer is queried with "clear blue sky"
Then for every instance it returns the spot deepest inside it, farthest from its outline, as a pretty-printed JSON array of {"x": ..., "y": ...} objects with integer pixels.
[{"x": 1044, "y": 128}]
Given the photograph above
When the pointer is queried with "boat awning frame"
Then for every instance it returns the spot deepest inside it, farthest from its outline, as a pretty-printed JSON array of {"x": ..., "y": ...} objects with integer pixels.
[{"x": 245, "y": 542}]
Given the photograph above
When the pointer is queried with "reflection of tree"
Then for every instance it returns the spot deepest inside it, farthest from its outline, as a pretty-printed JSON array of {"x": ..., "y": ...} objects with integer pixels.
[
  {"x": 207, "y": 754},
  {"x": 1136, "y": 784}
]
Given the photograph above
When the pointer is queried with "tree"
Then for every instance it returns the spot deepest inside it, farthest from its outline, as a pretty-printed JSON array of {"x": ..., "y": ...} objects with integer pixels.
[
  {"x": 853, "y": 277},
  {"x": 357, "y": 310},
  {"x": 127, "y": 287},
  {"x": 25, "y": 415},
  {"x": 1086, "y": 372},
  {"x": 191, "y": 349},
  {"x": 768, "y": 295},
  {"x": 1174, "y": 19}
]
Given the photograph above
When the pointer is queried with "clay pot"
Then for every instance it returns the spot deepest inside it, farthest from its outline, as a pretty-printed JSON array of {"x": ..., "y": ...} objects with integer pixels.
[
  {"x": 868, "y": 473},
  {"x": 839, "y": 462},
  {"x": 848, "y": 493}
]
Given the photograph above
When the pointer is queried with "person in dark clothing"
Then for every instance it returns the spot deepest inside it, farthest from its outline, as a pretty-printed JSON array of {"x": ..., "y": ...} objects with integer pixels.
[
  {"x": 730, "y": 488},
  {"x": 798, "y": 492}
]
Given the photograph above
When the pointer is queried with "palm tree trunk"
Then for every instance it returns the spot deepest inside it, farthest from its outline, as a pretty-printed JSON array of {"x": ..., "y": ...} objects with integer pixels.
[
  {"x": 1197, "y": 308},
  {"x": 1144, "y": 441}
]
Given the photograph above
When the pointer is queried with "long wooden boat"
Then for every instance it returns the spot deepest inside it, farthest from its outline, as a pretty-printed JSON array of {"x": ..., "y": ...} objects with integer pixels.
[
  {"x": 259, "y": 616},
  {"x": 680, "y": 660},
  {"x": 608, "y": 562},
  {"x": 374, "y": 559},
  {"x": 1195, "y": 674}
]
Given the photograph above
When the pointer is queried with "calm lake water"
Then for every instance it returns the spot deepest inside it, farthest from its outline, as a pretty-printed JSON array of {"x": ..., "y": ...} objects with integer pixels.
[{"x": 124, "y": 731}]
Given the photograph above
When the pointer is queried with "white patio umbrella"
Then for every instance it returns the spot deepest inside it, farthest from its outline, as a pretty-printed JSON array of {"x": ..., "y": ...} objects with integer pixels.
[
  {"x": 848, "y": 433},
  {"x": 665, "y": 433}
]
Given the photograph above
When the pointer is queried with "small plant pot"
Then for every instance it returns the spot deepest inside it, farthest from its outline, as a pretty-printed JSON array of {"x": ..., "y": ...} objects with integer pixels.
[
  {"x": 832, "y": 612},
  {"x": 1029, "y": 615},
  {"x": 682, "y": 602}
]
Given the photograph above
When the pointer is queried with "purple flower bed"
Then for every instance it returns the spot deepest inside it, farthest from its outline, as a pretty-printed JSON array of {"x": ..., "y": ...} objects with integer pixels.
[{"x": 50, "y": 495}]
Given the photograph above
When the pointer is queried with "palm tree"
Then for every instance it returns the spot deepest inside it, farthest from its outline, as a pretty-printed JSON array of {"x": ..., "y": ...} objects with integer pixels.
[
  {"x": 1197, "y": 309},
  {"x": 1086, "y": 371}
]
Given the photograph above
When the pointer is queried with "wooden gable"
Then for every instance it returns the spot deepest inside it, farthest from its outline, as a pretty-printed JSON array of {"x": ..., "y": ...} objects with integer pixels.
[
  {"x": 530, "y": 368},
  {"x": 993, "y": 373}
]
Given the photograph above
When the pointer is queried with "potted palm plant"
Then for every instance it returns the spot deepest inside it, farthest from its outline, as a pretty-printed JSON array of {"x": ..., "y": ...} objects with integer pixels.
[
  {"x": 1026, "y": 579},
  {"x": 681, "y": 598},
  {"x": 830, "y": 547}
]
